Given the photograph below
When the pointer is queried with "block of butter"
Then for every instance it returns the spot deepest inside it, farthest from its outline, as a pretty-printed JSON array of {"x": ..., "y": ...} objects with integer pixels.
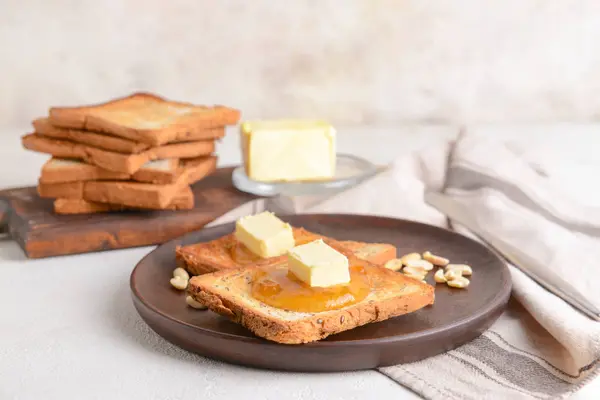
[
  {"x": 288, "y": 150},
  {"x": 264, "y": 234},
  {"x": 318, "y": 264}
]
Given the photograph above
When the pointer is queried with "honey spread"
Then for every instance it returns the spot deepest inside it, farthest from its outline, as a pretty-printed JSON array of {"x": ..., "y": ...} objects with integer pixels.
[
  {"x": 315, "y": 277},
  {"x": 282, "y": 289}
]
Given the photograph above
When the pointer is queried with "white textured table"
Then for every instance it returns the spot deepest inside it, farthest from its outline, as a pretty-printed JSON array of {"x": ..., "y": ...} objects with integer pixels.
[{"x": 68, "y": 329}]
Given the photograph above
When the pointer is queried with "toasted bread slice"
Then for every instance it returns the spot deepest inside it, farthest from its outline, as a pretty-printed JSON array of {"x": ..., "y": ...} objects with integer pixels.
[
  {"x": 225, "y": 253},
  {"x": 128, "y": 193},
  {"x": 183, "y": 200},
  {"x": 163, "y": 171},
  {"x": 147, "y": 195},
  {"x": 146, "y": 118},
  {"x": 103, "y": 141},
  {"x": 43, "y": 127},
  {"x": 67, "y": 190},
  {"x": 229, "y": 294},
  {"x": 61, "y": 170},
  {"x": 375, "y": 253},
  {"x": 118, "y": 162}
]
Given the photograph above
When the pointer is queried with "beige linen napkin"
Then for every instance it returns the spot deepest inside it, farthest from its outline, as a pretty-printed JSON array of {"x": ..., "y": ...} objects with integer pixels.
[{"x": 541, "y": 347}]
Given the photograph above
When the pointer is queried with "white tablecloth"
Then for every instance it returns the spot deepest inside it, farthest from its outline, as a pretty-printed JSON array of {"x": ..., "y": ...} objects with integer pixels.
[{"x": 68, "y": 329}]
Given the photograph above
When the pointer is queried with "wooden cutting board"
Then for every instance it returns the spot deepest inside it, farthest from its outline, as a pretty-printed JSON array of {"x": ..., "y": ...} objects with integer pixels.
[{"x": 30, "y": 220}]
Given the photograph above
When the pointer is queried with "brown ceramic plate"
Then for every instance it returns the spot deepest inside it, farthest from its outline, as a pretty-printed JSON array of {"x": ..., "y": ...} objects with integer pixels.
[{"x": 458, "y": 315}]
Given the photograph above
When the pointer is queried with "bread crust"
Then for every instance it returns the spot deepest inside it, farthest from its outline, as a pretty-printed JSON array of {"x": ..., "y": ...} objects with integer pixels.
[
  {"x": 67, "y": 190},
  {"x": 104, "y": 141},
  {"x": 118, "y": 162},
  {"x": 80, "y": 171},
  {"x": 153, "y": 175},
  {"x": 146, "y": 195},
  {"x": 375, "y": 253},
  {"x": 184, "y": 200},
  {"x": 132, "y": 194},
  {"x": 145, "y": 118},
  {"x": 228, "y": 293},
  {"x": 202, "y": 258},
  {"x": 43, "y": 127}
]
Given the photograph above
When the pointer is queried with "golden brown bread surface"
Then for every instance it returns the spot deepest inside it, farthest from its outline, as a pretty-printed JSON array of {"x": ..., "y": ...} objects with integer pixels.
[
  {"x": 103, "y": 141},
  {"x": 183, "y": 200},
  {"x": 67, "y": 190},
  {"x": 375, "y": 253},
  {"x": 60, "y": 170},
  {"x": 128, "y": 193},
  {"x": 147, "y": 195},
  {"x": 216, "y": 255},
  {"x": 163, "y": 171},
  {"x": 118, "y": 162},
  {"x": 228, "y": 293},
  {"x": 43, "y": 127},
  {"x": 146, "y": 118}
]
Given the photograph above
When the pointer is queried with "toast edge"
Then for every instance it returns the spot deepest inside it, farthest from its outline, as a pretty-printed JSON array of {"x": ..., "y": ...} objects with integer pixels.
[
  {"x": 182, "y": 201},
  {"x": 188, "y": 258},
  {"x": 319, "y": 325},
  {"x": 76, "y": 117}
]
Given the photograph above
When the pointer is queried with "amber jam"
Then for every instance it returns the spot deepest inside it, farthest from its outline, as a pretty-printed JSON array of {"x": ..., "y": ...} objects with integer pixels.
[
  {"x": 242, "y": 255},
  {"x": 280, "y": 288}
]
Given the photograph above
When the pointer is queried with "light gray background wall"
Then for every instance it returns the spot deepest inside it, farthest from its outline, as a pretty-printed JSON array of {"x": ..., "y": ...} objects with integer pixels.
[{"x": 351, "y": 61}]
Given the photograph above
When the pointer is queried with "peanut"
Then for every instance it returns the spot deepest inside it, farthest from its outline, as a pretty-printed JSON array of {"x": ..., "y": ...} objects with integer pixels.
[
  {"x": 395, "y": 264},
  {"x": 415, "y": 271},
  {"x": 439, "y": 276},
  {"x": 182, "y": 273},
  {"x": 417, "y": 277},
  {"x": 194, "y": 304},
  {"x": 452, "y": 274},
  {"x": 435, "y": 260},
  {"x": 426, "y": 265},
  {"x": 462, "y": 268},
  {"x": 411, "y": 256},
  {"x": 461, "y": 282},
  {"x": 179, "y": 283}
]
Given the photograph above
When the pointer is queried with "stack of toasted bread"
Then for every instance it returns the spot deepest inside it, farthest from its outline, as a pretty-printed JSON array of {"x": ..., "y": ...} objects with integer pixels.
[{"x": 136, "y": 152}]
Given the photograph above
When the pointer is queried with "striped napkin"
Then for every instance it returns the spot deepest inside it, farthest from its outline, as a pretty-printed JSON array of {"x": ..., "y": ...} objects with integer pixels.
[{"x": 513, "y": 198}]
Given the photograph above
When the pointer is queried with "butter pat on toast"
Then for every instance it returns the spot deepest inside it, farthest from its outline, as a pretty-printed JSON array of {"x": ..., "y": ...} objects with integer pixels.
[
  {"x": 229, "y": 293},
  {"x": 264, "y": 234},
  {"x": 226, "y": 253},
  {"x": 146, "y": 118}
]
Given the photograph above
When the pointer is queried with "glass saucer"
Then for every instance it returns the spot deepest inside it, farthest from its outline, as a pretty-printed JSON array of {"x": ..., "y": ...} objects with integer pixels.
[{"x": 349, "y": 171}]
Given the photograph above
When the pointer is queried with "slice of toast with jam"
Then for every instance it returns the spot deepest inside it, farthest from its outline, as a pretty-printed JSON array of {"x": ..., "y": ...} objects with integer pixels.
[{"x": 252, "y": 297}]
